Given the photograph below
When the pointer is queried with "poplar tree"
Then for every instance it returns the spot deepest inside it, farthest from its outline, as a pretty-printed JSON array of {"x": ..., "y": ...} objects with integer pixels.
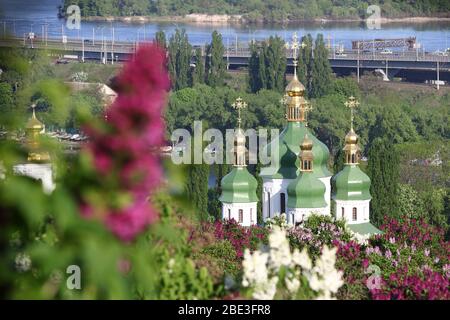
[
  {"x": 160, "y": 39},
  {"x": 253, "y": 69},
  {"x": 215, "y": 64},
  {"x": 383, "y": 170},
  {"x": 321, "y": 74},
  {"x": 198, "y": 74},
  {"x": 275, "y": 60},
  {"x": 197, "y": 188},
  {"x": 180, "y": 53}
]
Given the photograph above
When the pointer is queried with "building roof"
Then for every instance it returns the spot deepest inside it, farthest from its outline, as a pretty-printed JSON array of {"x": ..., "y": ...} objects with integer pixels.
[
  {"x": 351, "y": 183},
  {"x": 239, "y": 186},
  {"x": 364, "y": 228},
  {"x": 306, "y": 191},
  {"x": 286, "y": 164}
]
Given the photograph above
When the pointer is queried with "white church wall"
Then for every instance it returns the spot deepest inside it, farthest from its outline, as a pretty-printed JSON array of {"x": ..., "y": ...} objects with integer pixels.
[
  {"x": 249, "y": 213},
  {"x": 345, "y": 208},
  {"x": 273, "y": 188}
]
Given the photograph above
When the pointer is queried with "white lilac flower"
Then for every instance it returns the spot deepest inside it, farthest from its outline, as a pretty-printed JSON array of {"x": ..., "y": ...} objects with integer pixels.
[
  {"x": 280, "y": 252},
  {"x": 22, "y": 262},
  {"x": 392, "y": 240},
  {"x": 302, "y": 259},
  {"x": 292, "y": 282},
  {"x": 426, "y": 252},
  {"x": 255, "y": 268},
  {"x": 266, "y": 290}
]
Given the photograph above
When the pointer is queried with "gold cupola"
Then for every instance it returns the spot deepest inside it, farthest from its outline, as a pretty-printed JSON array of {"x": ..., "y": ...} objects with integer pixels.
[
  {"x": 351, "y": 149},
  {"x": 34, "y": 127},
  {"x": 306, "y": 154},
  {"x": 294, "y": 98},
  {"x": 239, "y": 138}
]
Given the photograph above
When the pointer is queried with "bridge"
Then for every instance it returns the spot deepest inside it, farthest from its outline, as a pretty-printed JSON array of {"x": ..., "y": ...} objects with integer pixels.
[{"x": 411, "y": 65}]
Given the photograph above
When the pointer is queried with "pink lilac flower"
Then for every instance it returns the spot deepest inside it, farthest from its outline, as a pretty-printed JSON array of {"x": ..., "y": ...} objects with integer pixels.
[{"x": 123, "y": 149}]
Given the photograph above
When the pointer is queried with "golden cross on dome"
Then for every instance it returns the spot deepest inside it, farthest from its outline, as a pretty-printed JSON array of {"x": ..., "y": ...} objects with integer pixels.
[
  {"x": 294, "y": 45},
  {"x": 351, "y": 103},
  {"x": 238, "y": 105}
]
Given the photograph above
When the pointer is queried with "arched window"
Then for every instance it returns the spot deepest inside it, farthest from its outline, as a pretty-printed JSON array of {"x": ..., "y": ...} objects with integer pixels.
[
  {"x": 342, "y": 212},
  {"x": 268, "y": 204},
  {"x": 353, "y": 158},
  {"x": 229, "y": 214},
  {"x": 282, "y": 202},
  {"x": 355, "y": 214},
  {"x": 251, "y": 216},
  {"x": 241, "y": 215}
]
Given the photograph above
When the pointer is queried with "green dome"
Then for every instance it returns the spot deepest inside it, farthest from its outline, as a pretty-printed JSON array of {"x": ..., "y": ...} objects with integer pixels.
[
  {"x": 287, "y": 164},
  {"x": 306, "y": 191},
  {"x": 351, "y": 184},
  {"x": 239, "y": 186}
]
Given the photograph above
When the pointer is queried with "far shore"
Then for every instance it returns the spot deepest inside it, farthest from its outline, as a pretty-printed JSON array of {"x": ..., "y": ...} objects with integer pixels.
[{"x": 218, "y": 19}]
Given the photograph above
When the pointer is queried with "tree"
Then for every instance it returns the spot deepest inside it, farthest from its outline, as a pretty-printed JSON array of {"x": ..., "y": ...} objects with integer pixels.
[
  {"x": 197, "y": 188},
  {"x": 198, "y": 74},
  {"x": 180, "y": 52},
  {"x": 253, "y": 70},
  {"x": 383, "y": 170},
  {"x": 321, "y": 74},
  {"x": 160, "y": 38},
  {"x": 215, "y": 65},
  {"x": 6, "y": 97},
  {"x": 275, "y": 60},
  {"x": 305, "y": 61}
]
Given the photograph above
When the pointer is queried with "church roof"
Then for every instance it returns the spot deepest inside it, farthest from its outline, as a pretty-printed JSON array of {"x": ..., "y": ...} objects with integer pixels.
[
  {"x": 364, "y": 228},
  {"x": 306, "y": 191},
  {"x": 286, "y": 164},
  {"x": 351, "y": 183},
  {"x": 239, "y": 186}
]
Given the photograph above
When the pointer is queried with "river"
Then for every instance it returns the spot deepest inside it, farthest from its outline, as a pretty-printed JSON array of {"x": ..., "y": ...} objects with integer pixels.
[{"x": 24, "y": 16}]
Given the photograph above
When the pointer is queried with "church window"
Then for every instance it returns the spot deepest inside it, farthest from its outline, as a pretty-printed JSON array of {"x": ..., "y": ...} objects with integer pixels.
[
  {"x": 229, "y": 214},
  {"x": 241, "y": 215},
  {"x": 268, "y": 204},
  {"x": 355, "y": 214},
  {"x": 342, "y": 212},
  {"x": 282, "y": 203}
]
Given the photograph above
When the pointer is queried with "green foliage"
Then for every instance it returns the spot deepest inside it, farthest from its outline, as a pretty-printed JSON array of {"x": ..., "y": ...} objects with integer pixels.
[
  {"x": 160, "y": 38},
  {"x": 222, "y": 253},
  {"x": 260, "y": 10},
  {"x": 182, "y": 281},
  {"x": 197, "y": 188},
  {"x": 198, "y": 75},
  {"x": 383, "y": 170},
  {"x": 267, "y": 66},
  {"x": 215, "y": 65},
  {"x": 180, "y": 52},
  {"x": 321, "y": 73}
]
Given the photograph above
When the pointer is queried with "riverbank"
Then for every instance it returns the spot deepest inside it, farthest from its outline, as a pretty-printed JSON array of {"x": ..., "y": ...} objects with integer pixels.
[{"x": 220, "y": 19}]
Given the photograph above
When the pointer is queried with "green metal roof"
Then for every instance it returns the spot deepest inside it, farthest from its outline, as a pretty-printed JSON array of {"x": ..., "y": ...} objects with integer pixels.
[
  {"x": 239, "y": 186},
  {"x": 306, "y": 191},
  {"x": 287, "y": 163},
  {"x": 364, "y": 228},
  {"x": 351, "y": 184}
]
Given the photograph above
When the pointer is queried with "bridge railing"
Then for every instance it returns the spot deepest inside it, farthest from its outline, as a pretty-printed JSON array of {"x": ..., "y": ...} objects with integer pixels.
[{"x": 231, "y": 51}]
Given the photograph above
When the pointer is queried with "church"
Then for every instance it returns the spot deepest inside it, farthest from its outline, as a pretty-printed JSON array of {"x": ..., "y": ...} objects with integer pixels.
[{"x": 298, "y": 183}]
